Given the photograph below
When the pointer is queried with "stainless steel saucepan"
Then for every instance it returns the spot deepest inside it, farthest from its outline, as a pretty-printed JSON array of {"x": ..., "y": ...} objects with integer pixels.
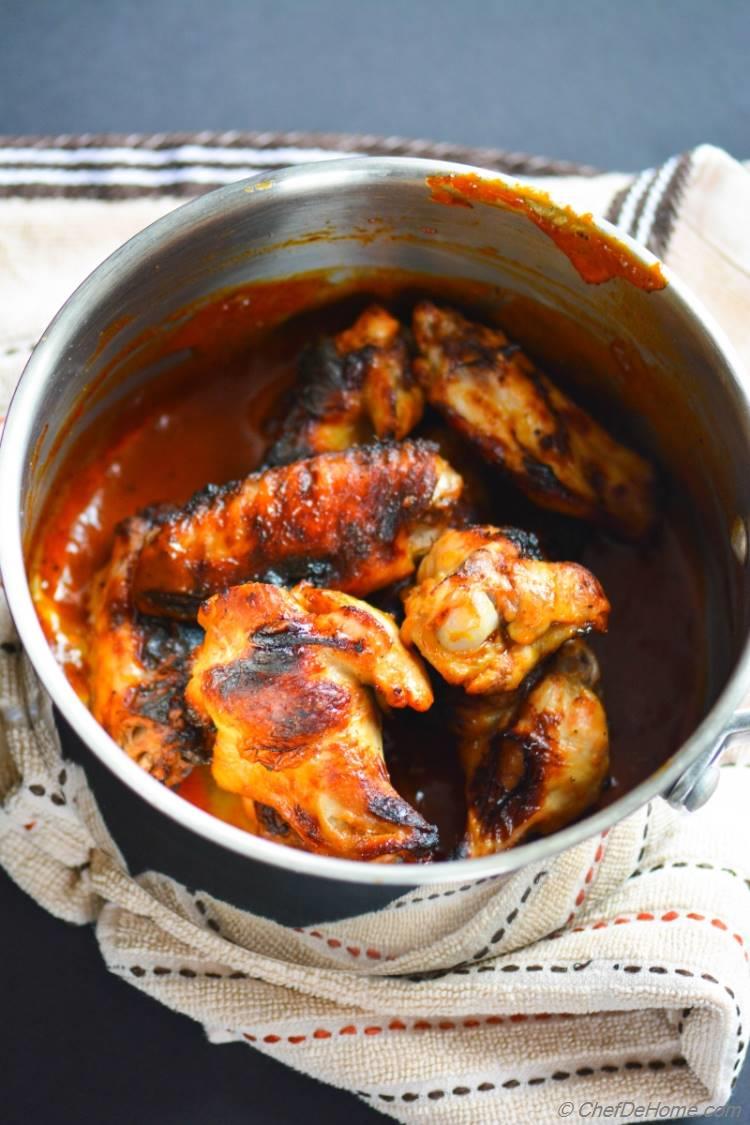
[{"x": 342, "y": 216}]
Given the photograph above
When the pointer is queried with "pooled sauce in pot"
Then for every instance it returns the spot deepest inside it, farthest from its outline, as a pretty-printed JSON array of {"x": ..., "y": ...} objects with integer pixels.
[{"x": 213, "y": 425}]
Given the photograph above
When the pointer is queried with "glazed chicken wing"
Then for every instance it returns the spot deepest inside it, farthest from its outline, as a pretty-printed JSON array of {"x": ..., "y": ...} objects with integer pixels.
[
  {"x": 284, "y": 676},
  {"x": 138, "y": 670},
  {"x": 486, "y": 608},
  {"x": 556, "y": 453},
  {"x": 534, "y": 762},
  {"x": 351, "y": 387},
  {"x": 356, "y": 521}
]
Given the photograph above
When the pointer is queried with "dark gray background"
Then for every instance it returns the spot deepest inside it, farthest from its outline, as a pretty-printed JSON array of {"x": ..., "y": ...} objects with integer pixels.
[{"x": 613, "y": 84}]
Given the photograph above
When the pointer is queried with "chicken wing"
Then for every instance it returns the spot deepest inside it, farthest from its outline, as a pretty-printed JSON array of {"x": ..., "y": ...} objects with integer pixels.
[
  {"x": 486, "y": 608},
  {"x": 351, "y": 387},
  {"x": 138, "y": 669},
  {"x": 356, "y": 521},
  {"x": 282, "y": 675},
  {"x": 534, "y": 762},
  {"x": 555, "y": 452}
]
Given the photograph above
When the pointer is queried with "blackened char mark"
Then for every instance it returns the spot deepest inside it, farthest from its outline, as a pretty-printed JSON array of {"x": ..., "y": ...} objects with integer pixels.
[
  {"x": 558, "y": 440},
  {"x": 287, "y": 448},
  {"x": 395, "y": 810},
  {"x": 166, "y": 640},
  {"x": 525, "y": 542},
  {"x": 293, "y": 636},
  {"x": 163, "y": 702},
  {"x": 288, "y": 705},
  {"x": 307, "y": 825},
  {"x": 543, "y": 479},
  {"x": 270, "y": 820},
  {"x": 200, "y": 500},
  {"x": 173, "y": 604},
  {"x": 469, "y": 353},
  {"x": 154, "y": 701},
  {"x": 325, "y": 375},
  {"x": 253, "y": 672},
  {"x": 325, "y": 380},
  {"x": 320, "y": 572},
  {"x": 500, "y": 810},
  {"x": 595, "y": 476},
  {"x": 166, "y": 650}
]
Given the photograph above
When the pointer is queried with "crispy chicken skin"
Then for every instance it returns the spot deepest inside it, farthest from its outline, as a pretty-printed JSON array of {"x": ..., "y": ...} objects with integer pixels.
[
  {"x": 534, "y": 762},
  {"x": 356, "y": 520},
  {"x": 486, "y": 608},
  {"x": 284, "y": 676},
  {"x": 352, "y": 387},
  {"x": 138, "y": 670},
  {"x": 557, "y": 454}
]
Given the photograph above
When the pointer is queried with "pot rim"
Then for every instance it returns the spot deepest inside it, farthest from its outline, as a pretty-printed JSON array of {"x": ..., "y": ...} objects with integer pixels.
[{"x": 14, "y": 449}]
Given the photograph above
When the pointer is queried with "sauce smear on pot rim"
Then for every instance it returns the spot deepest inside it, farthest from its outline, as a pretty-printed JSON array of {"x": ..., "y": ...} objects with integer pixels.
[
  {"x": 213, "y": 425},
  {"x": 598, "y": 256}
]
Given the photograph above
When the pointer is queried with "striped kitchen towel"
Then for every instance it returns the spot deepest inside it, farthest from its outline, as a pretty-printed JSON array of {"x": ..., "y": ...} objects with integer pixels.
[{"x": 617, "y": 972}]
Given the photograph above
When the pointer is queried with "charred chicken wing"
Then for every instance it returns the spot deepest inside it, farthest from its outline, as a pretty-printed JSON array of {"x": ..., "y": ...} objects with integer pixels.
[
  {"x": 351, "y": 387},
  {"x": 486, "y": 608},
  {"x": 556, "y": 453},
  {"x": 138, "y": 670},
  {"x": 534, "y": 762},
  {"x": 284, "y": 676},
  {"x": 356, "y": 521}
]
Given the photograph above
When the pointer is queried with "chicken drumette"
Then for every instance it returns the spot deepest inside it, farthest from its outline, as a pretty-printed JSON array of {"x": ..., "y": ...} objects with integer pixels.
[
  {"x": 356, "y": 520},
  {"x": 139, "y": 668},
  {"x": 486, "y": 607},
  {"x": 533, "y": 761},
  {"x": 351, "y": 388},
  {"x": 283, "y": 677},
  {"x": 555, "y": 452}
]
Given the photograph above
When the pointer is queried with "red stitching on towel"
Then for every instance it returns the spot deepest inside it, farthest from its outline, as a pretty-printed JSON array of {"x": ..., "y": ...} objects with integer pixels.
[
  {"x": 589, "y": 876},
  {"x": 399, "y": 1025},
  {"x": 337, "y": 943},
  {"x": 667, "y": 916}
]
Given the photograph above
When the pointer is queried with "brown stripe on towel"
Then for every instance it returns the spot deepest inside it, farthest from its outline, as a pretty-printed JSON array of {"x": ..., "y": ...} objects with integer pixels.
[
  {"x": 613, "y": 212},
  {"x": 112, "y": 191},
  {"x": 633, "y": 226},
  {"x": 521, "y": 163},
  {"x": 25, "y": 185},
  {"x": 113, "y": 165},
  {"x": 658, "y": 237}
]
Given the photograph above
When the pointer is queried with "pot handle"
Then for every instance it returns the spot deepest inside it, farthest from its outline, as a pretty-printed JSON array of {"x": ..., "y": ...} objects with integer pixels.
[{"x": 699, "y": 782}]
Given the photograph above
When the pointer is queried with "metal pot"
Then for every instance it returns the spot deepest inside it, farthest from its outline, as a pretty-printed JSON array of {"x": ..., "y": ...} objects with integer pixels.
[{"x": 375, "y": 213}]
